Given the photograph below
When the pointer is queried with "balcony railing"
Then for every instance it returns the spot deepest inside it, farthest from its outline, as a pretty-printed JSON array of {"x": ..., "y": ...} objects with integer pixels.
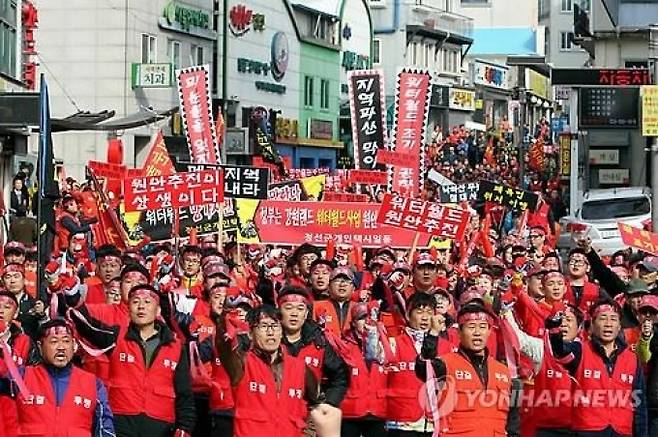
[{"x": 434, "y": 14}]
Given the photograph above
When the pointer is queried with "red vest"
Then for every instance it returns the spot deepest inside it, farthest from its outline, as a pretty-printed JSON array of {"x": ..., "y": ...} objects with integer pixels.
[
  {"x": 549, "y": 399},
  {"x": 590, "y": 296},
  {"x": 99, "y": 366},
  {"x": 20, "y": 348},
  {"x": 261, "y": 410},
  {"x": 135, "y": 389},
  {"x": 325, "y": 309},
  {"x": 39, "y": 415},
  {"x": 601, "y": 400},
  {"x": 403, "y": 386},
  {"x": 62, "y": 234},
  {"x": 95, "y": 294},
  {"x": 221, "y": 395},
  {"x": 366, "y": 393},
  {"x": 313, "y": 357},
  {"x": 477, "y": 411}
]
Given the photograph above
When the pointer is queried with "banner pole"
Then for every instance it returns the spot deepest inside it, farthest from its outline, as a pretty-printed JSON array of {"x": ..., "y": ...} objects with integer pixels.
[
  {"x": 414, "y": 245},
  {"x": 220, "y": 227}
]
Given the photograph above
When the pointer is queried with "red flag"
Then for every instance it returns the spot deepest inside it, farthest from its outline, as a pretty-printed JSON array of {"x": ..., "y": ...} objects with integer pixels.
[
  {"x": 158, "y": 162},
  {"x": 220, "y": 125}
]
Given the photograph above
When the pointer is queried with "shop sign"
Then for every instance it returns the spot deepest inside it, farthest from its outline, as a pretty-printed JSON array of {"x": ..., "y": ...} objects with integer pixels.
[
  {"x": 241, "y": 20},
  {"x": 354, "y": 61},
  {"x": 440, "y": 96},
  {"x": 562, "y": 93},
  {"x": 649, "y": 110},
  {"x": 565, "y": 155},
  {"x": 538, "y": 84},
  {"x": 461, "y": 99},
  {"x": 189, "y": 19},
  {"x": 255, "y": 67},
  {"x": 321, "y": 129},
  {"x": 236, "y": 141},
  {"x": 609, "y": 107},
  {"x": 602, "y": 77},
  {"x": 286, "y": 129},
  {"x": 491, "y": 75},
  {"x": 152, "y": 76},
  {"x": 616, "y": 176},
  {"x": 603, "y": 156}
]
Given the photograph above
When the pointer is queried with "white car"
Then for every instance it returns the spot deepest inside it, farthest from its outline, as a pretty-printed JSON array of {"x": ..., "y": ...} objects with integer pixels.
[{"x": 600, "y": 211}]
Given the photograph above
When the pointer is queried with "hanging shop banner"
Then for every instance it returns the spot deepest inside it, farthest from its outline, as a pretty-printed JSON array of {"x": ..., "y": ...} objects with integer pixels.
[
  {"x": 107, "y": 170},
  {"x": 239, "y": 181},
  {"x": 427, "y": 217},
  {"x": 335, "y": 196},
  {"x": 158, "y": 162},
  {"x": 411, "y": 109},
  {"x": 157, "y": 224},
  {"x": 367, "y": 105},
  {"x": 565, "y": 155},
  {"x": 459, "y": 193},
  {"x": 638, "y": 238},
  {"x": 491, "y": 75},
  {"x": 368, "y": 177},
  {"x": 462, "y": 99},
  {"x": 196, "y": 112},
  {"x": 649, "y": 95},
  {"x": 294, "y": 223},
  {"x": 173, "y": 191},
  {"x": 513, "y": 198}
]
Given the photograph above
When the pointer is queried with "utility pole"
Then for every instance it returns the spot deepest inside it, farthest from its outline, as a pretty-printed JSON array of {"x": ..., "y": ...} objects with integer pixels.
[
  {"x": 653, "y": 55},
  {"x": 519, "y": 135}
]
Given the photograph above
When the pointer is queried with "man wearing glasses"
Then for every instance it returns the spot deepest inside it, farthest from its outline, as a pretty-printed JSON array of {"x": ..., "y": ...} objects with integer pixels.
[
  {"x": 271, "y": 388},
  {"x": 537, "y": 238},
  {"x": 334, "y": 313},
  {"x": 581, "y": 293}
]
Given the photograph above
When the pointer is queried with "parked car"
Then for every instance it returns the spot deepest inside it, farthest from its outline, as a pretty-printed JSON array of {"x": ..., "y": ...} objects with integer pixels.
[{"x": 600, "y": 212}]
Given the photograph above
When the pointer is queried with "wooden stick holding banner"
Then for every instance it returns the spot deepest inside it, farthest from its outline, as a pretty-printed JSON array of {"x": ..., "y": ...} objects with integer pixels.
[{"x": 414, "y": 246}]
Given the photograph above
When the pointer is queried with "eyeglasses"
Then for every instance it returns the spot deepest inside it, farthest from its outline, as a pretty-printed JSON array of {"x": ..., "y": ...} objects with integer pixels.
[
  {"x": 342, "y": 281},
  {"x": 577, "y": 262},
  {"x": 536, "y": 236},
  {"x": 274, "y": 327}
]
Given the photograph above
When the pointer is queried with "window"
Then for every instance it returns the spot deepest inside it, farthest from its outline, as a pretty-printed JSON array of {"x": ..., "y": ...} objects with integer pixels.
[
  {"x": 475, "y": 2},
  {"x": 196, "y": 55},
  {"x": 412, "y": 54},
  {"x": 566, "y": 41},
  {"x": 174, "y": 53},
  {"x": 429, "y": 55},
  {"x": 149, "y": 48},
  {"x": 376, "y": 51},
  {"x": 308, "y": 91},
  {"x": 324, "y": 94},
  {"x": 567, "y": 5}
]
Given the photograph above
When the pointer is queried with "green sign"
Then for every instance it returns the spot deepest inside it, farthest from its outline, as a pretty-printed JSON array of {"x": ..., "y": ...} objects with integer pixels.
[
  {"x": 152, "y": 76},
  {"x": 270, "y": 87},
  {"x": 353, "y": 61},
  {"x": 186, "y": 16}
]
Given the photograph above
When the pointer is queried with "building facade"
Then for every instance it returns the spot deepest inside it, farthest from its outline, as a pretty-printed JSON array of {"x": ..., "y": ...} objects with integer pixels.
[
  {"x": 557, "y": 17},
  {"x": 431, "y": 35},
  {"x": 103, "y": 63}
]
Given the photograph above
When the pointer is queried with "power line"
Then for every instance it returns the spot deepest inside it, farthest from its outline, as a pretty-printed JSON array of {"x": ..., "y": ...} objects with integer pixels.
[{"x": 68, "y": 96}]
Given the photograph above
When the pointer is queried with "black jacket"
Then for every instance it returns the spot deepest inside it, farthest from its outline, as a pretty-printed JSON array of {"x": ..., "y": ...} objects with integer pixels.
[
  {"x": 335, "y": 377},
  {"x": 652, "y": 378}
]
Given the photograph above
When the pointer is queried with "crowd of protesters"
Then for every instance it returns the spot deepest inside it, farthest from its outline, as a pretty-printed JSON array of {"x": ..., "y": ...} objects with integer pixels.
[{"x": 494, "y": 335}]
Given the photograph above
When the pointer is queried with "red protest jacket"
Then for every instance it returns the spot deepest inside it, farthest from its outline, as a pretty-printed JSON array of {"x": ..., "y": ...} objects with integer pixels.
[
  {"x": 325, "y": 312},
  {"x": 403, "y": 386},
  {"x": 366, "y": 393},
  {"x": 313, "y": 356},
  {"x": 95, "y": 294},
  {"x": 548, "y": 402},
  {"x": 261, "y": 410},
  {"x": 20, "y": 348},
  {"x": 135, "y": 389},
  {"x": 221, "y": 394},
  {"x": 603, "y": 399},
  {"x": 590, "y": 295},
  {"x": 61, "y": 233},
  {"x": 39, "y": 414},
  {"x": 469, "y": 417}
]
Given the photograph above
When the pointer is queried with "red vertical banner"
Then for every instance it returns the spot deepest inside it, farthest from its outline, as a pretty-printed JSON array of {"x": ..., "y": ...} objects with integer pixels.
[
  {"x": 412, "y": 97},
  {"x": 158, "y": 162},
  {"x": 196, "y": 112}
]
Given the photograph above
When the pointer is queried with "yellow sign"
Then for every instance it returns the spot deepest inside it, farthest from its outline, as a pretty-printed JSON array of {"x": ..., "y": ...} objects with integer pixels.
[
  {"x": 649, "y": 110},
  {"x": 286, "y": 129},
  {"x": 565, "y": 155},
  {"x": 538, "y": 84}
]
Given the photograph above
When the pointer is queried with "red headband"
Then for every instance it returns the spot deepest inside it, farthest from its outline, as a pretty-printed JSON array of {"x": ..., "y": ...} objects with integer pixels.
[
  {"x": 135, "y": 275},
  {"x": 549, "y": 275},
  {"x": 108, "y": 258},
  {"x": 604, "y": 309},
  {"x": 293, "y": 298},
  {"x": 143, "y": 293},
  {"x": 11, "y": 268},
  {"x": 57, "y": 330},
  {"x": 7, "y": 299},
  {"x": 479, "y": 317}
]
